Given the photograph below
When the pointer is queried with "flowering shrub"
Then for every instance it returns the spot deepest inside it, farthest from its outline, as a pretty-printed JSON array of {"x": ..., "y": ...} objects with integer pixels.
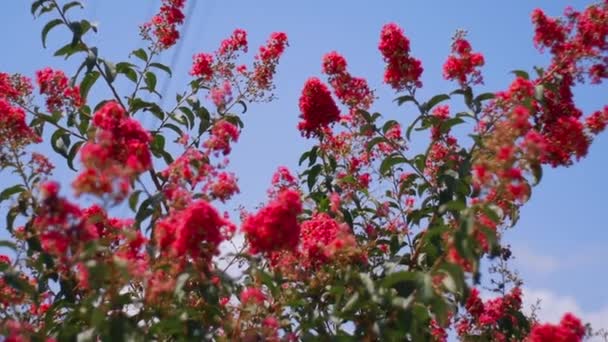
[{"x": 370, "y": 241}]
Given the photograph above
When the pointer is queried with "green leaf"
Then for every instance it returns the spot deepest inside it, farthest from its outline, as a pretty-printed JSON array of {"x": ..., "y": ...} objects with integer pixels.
[
  {"x": 72, "y": 154},
  {"x": 87, "y": 82},
  {"x": 189, "y": 114},
  {"x": 110, "y": 70},
  {"x": 403, "y": 99},
  {"x": 69, "y": 49},
  {"x": 141, "y": 54},
  {"x": 408, "y": 132},
  {"x": 18, "y": 283},
  {"x": 521, "y": 73},
  {"x": 8, "y": 244},
  {"x": 303, "y": 157},
  {"x": 162, "y": 67},
  {"x": 398, "y": 277},
  {"x": 244, "y": 105},
  {"x": 10, "y": 218},
  {"x": 375, "y": 141},
  {"x": 537, "y": 172},
  {"x": 151, "y": 81},
  {"x": 484, "y": 97},
  {"x": 174, "y": 128},
  {"x": 158, "y": 145},
  {"x": 47, "y": 28},
  {"x": 8, "y": 192},
  {"x": 449, "y": 123},
  {"x": 127, "y": 70},
  {"x": 388, "y": 125},
  {"x": 313, "y": 173},
  {"x": 134, "y": 199},
  {"x": 434, "y": 101},
  {"x": 35, "y": 6},
  {"x": 389, "y": 162},
  {"x": 69, "y": 5},
  {"x": 60, "y": 141}
]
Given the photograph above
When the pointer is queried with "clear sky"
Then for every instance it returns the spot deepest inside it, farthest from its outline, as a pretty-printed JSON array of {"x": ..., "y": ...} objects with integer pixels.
[{"x": 561, "y": 236}]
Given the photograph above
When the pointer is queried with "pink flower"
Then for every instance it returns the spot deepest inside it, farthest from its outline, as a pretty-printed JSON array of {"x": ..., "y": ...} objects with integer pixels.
[
  {"x": 317, "y": 107},
  {"x": 252, "y": 295},
  {"x": 402, "y": 70},
  {"x": 275, "y": 226}
]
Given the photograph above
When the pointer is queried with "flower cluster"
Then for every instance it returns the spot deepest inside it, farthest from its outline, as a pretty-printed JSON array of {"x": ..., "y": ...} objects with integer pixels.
[
  {"x": 402, "y": 70},
  {"x": 282, "y": 179},
  {"x": 252, "y": 295},
  {"x": 275, "y": 226},
  {"x": 267, "y": 59},
  {"x": 218, "y": 69},
  {"x": 322, "y": 237},
  {"x": 224, "y": 186},
  {"x": 236, "y": 42},
  {"x": 463, "y": 64},
  {"x": 497, "y": 319},
  {"x": 164, "y": 24},
  {"x": 202, "y": 66},
  {"x": 54, "y": 84},
  {"x": 14, "y": 87},
  {"x": 223, "y": 133},
  {"x": 195, "y": 232},
  {"x": 569, "y": 329},
  {"x": 119, "y": 152},
  {"x": 579, "y": 50},
  {"x": 352, "y": 91},
  {"x": 317, "y": 108},
  {"x": 14, "y": 131},
  {"x": 60, "y": 226}
]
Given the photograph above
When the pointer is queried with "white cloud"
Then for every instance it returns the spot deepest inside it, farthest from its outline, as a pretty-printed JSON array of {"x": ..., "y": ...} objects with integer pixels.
[
  {"x": 553, "y": 306},
  {"x": 528, "y": 260}
]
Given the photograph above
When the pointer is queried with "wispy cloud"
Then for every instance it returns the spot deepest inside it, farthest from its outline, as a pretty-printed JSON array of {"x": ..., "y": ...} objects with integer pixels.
[
  {"x": 553, "y": 306},
  {"x": 540, "y": 262}
]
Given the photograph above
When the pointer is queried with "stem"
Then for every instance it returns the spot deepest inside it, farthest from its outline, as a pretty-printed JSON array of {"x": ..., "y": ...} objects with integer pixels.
[
  {"x": 67, "y": 22},
  {"x": 143, "y": 72},
  {"x": 38, "y": 115}
]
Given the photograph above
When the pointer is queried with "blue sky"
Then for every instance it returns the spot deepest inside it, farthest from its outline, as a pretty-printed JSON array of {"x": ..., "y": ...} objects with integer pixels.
[{"x": 561, "y": 235}]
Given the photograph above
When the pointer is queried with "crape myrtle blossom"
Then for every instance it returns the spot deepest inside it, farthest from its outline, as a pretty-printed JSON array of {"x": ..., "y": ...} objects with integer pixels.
[{"x": 369, "y": 233}]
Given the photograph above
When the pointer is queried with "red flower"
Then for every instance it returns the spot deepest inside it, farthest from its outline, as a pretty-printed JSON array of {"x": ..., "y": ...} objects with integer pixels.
[
  {"x": 59, "y": 95},
  {"x": 13, "y": 128},
  {"x": 570, "y": 329},
  {"x": 317, "y": 107},
  {"x": 334, "y": 63},
  {"x": 565, "y": 139},
  {"x": 462, "y": 64},
  {"x": 14, "y": 87},
  {"x": 224, "y": 186},
  {"x": 119, "y": 151},
  {"x": 165, "y": 23},
  {"x": 252, "y": 295},
  {"x": 222, "y": 134},
  {"x": 321, "y": 237},
  {"x": 402, "y": 70},
  {"x": 549, "y": 32},
  {"x": 195, "y": 232},
  {"x": 237, "y": 41},
  {"x": 202, "y": 66},
  {"x": 352, "y": 91},
  {"x": 275, "y": 226},
  {"x": 267, "y": 59},
  {"x": 597, "y": 121}
]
